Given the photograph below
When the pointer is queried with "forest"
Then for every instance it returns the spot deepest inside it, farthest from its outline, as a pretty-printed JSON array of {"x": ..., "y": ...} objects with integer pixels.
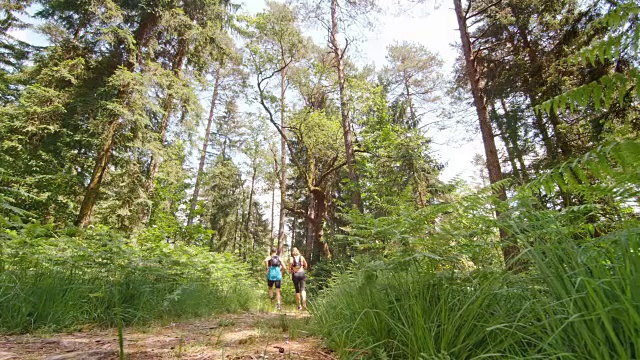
[{"x": 152, "y": 151}]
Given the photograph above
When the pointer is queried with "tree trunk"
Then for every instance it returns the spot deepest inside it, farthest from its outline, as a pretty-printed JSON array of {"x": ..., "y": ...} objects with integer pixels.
[
  {"x": 561, "y": 139},
  {"x": 221, "y": 232},
  {"x": 235, "y": 231},
  {"x": 273, "y": 204},
  {"x": 283, "y": 165},
  {"x": 412, "y": 114},
  {"x": 542, "y": 129},
  {"x": 91, "y": 194},
  {"x": 512, "y": 131},
  {"x": 147, "y": 24},
  {"x": 293, "y": 231},
  {"x": 308, "y": 251},
  {"x": 509, "y": 250},
  {"x": 253, "y": 181},
  {"x": 203, "y": 154},
  {"x": 243, "y": 245},
  {"x": 350, "y": 158},
  {"x": 320, "y": 215},
  {"x": 504, "y": 135}
]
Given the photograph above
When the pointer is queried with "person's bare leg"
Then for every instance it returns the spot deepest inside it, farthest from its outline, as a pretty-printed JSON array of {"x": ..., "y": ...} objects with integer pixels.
[
  {"x": 271, "y": 294},
  {"x": 298, "y": 299},
  {"x": 278, "y": 297},
  {"x": 304, "y": 298}
]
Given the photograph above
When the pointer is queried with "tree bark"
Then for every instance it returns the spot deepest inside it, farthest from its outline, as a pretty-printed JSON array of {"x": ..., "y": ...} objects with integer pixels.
[
  {"x": 253, "y": 181},
  {"x": 509, "y": 250},
  {"x": 283, "y": 162},
  {"x": 235, "y": 231},
  {"x": 308, "y": 252},
  {"x": 102, "y": 161},
  {"x": 293, "y": 231},
  {"x": 242, "y": 244},
  {"x": 273, "y": 204},
  {"x": 356, "y": 199},
  {"x": 320, "y": 214},
  {"x": 412, "y": 114},
  {"x": 511, "y": 129},
  {"x": 504, "y": 135},
  {"x": 203, "y": 154},
  {"x": 148, "y": 23}
]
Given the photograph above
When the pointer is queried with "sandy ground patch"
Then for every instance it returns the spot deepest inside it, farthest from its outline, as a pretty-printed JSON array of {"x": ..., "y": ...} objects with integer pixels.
[{"x": 232, "y": 336}]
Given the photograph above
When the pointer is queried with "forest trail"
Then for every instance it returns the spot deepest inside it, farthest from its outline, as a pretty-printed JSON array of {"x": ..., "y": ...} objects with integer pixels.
[{"x": 230, "y": 336}]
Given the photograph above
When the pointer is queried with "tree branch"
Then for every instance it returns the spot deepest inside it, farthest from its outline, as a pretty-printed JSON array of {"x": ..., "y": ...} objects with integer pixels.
[
  {"x": 275, "y": 158},
  {"x": 260, "y": 81},
  {"x": 476, "y": 38},
  {"x": 344, "y": 50},
  {"x": 300, "y": 213},
  {"x": 328, "y": 172},
  {"x": 484, "y": 9},
  {"x": 466, "y": 12}
]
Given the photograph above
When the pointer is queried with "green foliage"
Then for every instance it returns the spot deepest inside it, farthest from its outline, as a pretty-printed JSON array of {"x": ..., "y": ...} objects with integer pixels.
[
  {"x": 592, "y": 295},
  {"x": 406, "y": 314},
  {"x": 620, "y": 44},
  {"x": 394, "y": 162},
  {"x": 62, "y": 280},
  {"x": 585, "y": 292}
]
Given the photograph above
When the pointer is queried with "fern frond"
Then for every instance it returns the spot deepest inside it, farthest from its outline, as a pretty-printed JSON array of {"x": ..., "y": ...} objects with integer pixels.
[
  {"x": 600, "y": 93},
  {"x": 609, "y": 170},
  {"x": 625, "y": 36}
]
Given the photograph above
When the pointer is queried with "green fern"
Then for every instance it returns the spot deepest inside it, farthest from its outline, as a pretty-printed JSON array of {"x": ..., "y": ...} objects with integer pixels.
[
  {"x": 624, "y": 38},
  {"x": 609, "y": 170}
]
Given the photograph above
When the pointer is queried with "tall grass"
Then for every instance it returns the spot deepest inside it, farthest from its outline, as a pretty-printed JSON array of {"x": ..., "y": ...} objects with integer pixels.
[
  {"x": 65, "y": 282},
  {"x": 408, "y": 315},
  {"x": 577, "y": 302},
  {"x": 593, "y": 297}
]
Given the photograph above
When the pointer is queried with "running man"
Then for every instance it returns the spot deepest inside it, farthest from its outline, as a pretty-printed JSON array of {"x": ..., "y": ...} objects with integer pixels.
[
  {"x": 274, "y": 269},
  {"x": 297, "y": 265}
]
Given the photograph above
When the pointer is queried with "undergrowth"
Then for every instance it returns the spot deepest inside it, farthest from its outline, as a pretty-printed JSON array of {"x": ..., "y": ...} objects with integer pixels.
[
  {"x": 52, "y": 281},
  {"x": 576, "y": 302}
]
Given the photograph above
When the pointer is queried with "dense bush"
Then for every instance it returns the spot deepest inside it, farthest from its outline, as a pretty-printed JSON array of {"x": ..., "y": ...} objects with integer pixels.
[{"x": 61, "y": 280}]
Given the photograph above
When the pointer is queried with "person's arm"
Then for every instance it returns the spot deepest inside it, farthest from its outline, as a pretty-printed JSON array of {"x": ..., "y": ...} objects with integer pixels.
[
  {"x": 304, "y": 263},
  {"x": 266, "y": 265},
  {"x": 291, "y": 265}
]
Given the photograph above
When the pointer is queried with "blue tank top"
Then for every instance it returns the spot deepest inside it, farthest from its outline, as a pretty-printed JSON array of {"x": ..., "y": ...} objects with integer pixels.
[{"x": 274, "y": 272}]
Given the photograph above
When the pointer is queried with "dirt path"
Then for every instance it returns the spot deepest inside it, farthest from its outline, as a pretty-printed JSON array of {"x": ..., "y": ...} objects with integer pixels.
[{"x": 235, "y": 336}]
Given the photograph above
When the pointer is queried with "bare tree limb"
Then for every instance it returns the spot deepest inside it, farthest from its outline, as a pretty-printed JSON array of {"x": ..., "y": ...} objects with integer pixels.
[
  {"x": 466, "y": 12},
  {"x": 260, "y": 80},
  {"x": 483, "y": 10},
  {"x": 301, "y": 214},
  {"x": 332, "y": 170}
]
